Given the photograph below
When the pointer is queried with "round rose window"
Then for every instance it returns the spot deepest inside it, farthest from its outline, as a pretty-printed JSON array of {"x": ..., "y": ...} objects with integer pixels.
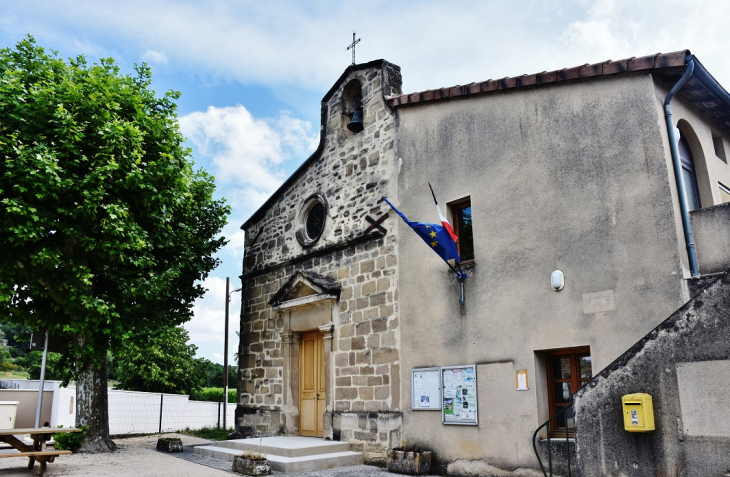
[
  {"x": 311, "y": 220},
  {"x": 314, "y": 224}
]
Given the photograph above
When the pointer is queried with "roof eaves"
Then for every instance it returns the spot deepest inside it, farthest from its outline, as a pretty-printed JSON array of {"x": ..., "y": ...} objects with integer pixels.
[{"x": 666, "y": 60}]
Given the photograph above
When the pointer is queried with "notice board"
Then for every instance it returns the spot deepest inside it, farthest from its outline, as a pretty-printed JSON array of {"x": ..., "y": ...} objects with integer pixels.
[
  {"x": 459, "y": 395},
  {"x": 426, "y": 389}
]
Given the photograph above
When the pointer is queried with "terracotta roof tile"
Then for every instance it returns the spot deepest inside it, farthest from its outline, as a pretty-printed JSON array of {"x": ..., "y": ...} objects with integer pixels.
[
  {"x": 489, "y": 85},
  {"x": 547, "y": 77},
  {"x": 613, "y": 67},
  {"x": 568, "y": 73},
  {"x": 643, "y": 63},
  {"x": 666, "y": 60}
]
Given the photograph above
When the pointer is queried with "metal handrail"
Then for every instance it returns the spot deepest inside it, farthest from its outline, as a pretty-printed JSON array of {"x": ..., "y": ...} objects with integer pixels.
[{"x": 550, "y": 452}]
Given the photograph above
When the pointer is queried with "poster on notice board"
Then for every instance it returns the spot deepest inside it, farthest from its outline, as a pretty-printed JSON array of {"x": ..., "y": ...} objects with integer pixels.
[
  {"x": 426, "y": 389},
  {"x": 459, "y": 395}
]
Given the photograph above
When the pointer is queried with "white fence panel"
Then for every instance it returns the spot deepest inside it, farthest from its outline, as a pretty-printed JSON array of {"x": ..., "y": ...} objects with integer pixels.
[{"x": 133, "y": 412}]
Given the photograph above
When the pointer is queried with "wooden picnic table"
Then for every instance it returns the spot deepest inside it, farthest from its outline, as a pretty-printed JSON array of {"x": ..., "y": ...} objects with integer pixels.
[{"x": 36, "y": 452}]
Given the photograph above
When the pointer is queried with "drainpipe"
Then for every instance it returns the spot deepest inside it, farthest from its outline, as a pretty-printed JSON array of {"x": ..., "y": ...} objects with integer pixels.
[{"x": 691, "y": 254}]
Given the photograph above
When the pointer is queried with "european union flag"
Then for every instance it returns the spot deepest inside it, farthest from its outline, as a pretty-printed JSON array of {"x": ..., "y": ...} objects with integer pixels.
[{"x": 436, "y": 236}]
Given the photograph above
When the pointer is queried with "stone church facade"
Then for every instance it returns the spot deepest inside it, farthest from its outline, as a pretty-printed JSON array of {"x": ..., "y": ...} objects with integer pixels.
[
  {"x": 342, "y": 284},
  {"x": 568, "y": 171}
]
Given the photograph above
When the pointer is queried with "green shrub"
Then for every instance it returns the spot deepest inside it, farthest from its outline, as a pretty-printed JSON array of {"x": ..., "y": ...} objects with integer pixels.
[
  {"x": 212, "y": 395},
  {"x": 208, "y": 433},
  {"x": 70, "y": 440},
  {"x": 7, "y": 367}
]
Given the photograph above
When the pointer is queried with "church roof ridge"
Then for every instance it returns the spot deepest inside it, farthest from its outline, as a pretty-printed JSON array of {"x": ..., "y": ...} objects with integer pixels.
[{"x": 604, "y": 68}]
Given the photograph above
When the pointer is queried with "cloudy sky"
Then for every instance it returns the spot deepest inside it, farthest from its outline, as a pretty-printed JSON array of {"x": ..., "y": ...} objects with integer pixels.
[{"x": 252, "y": 73}]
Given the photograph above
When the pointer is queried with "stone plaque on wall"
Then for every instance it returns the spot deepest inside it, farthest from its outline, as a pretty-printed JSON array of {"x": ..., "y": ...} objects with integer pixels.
[{"x": 703, "y": 398}]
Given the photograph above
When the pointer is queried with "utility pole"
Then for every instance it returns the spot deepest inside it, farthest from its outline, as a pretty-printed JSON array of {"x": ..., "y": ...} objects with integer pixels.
[
  {"x": 225, "y": 353},
  {"x": 41, "y": 384}
]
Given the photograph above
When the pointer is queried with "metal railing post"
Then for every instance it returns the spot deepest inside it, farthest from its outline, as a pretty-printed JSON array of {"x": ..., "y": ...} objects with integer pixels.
[
  {"x": 162, "y": 399},
  {"x": 550, "y": 452},
  {"x": 546, "y": 424},
  {"x": 567, "y": 443}
]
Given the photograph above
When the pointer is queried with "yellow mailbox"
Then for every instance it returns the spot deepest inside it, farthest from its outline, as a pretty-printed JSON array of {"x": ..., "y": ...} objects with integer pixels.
[{"x": 638, "y": 412}]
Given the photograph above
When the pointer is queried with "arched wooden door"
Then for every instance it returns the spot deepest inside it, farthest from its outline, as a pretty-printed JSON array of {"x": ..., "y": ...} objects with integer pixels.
[{"x": 312, "y": 384}]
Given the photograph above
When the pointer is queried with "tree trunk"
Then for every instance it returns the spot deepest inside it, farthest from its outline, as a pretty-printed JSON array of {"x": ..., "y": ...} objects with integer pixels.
[{"x": 92, "y": 408}]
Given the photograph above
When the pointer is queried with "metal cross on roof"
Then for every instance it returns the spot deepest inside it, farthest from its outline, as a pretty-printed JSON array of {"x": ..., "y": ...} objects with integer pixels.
[{"x": 352, "y": 45}]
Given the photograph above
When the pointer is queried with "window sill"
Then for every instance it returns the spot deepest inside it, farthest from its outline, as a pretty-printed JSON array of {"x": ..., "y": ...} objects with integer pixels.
[
  {"x": 556, "y": 440},
  {"x": 468, "y": 264}
]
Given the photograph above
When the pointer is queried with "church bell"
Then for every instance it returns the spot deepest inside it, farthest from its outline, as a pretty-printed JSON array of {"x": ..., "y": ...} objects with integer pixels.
[{"x": 355, "y": 124}]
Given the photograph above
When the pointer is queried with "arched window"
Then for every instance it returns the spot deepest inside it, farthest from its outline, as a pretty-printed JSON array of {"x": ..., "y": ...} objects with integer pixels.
[{"x": 688, "y": 174}]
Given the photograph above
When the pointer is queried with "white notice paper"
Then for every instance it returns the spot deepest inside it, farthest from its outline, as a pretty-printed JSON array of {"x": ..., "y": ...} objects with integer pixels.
[
  {"x": 457, "y": 377},
  {"x": 448, "y": 380},
  {"x": 521, "y": 381},
  {"x": 432, "y": 377}
]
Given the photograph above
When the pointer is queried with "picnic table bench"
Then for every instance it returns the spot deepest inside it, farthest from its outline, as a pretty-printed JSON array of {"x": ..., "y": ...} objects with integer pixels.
[{"x": 36, "y": 452}]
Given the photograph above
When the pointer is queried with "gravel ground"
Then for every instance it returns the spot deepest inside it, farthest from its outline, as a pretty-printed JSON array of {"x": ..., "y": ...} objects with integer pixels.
[{"x": 137, "y": 457}]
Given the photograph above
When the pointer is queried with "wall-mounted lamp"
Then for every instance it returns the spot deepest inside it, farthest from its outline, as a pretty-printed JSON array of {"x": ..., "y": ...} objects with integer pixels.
[{"x": 557, "y": 280}]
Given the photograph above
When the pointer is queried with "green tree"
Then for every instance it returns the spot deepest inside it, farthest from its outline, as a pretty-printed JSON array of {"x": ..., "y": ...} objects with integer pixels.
[
  {"x": 5, "y": 356},
  {"x": 18, "y": 339},
  {"x": 54, "y": 371},
  {"x": 106, "y": 229},
  {"x": 164, "y": 363},
  {"x": 214, "y": 374}
]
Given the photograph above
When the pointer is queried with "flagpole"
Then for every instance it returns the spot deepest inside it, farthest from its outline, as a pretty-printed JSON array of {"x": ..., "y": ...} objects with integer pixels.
[
  {"x": 460, "y": 275},
  {"x": 434, "y": 195}
]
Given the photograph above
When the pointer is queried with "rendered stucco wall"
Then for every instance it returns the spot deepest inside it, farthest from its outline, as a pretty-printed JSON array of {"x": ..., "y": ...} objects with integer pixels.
[
  {"x": 711, "y": 231},
  {"x": 568, "y": 177}
]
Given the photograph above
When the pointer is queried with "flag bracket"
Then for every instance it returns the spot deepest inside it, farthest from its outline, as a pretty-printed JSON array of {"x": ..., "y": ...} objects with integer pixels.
[{"x": 460, "y": 277}]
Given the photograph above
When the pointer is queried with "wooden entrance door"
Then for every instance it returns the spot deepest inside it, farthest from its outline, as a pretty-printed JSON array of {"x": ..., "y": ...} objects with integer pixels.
[{"x": 311, "y": 385}]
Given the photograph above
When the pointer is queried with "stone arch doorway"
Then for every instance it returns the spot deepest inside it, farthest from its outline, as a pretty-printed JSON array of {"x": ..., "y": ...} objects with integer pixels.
[{"x": 308, "y": 306}]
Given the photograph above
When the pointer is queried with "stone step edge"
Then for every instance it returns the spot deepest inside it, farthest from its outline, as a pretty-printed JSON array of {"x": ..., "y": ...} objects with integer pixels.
[
  {"x": 333, "y": 446},
  {"x": 283, "y": 463}
]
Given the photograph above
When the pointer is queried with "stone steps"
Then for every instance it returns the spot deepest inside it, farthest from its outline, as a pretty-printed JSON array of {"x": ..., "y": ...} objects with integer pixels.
[{"x": 287, "y": 454}]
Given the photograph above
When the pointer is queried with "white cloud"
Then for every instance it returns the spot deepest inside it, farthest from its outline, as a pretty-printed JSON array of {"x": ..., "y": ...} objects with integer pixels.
[
  {"x": 246, "y": 150},
  {"x": 300, "y": 45},
  {"x": 155, "y": 57},
  {"x": 207, "y": 326},
  {"x": 235, "y": 243}
]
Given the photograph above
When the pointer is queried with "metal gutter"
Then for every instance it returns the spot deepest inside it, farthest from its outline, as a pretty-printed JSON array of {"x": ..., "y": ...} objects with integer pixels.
[{"x": 681, "y": 191}]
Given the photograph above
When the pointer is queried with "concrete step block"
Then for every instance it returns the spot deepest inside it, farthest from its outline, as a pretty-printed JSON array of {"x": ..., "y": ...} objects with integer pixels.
[
  {"x": 288, "y": 464},
  {"x": 287, "y": 446}
]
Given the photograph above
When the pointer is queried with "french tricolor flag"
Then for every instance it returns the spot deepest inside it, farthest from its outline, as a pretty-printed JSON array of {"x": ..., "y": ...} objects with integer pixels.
[{"x": 443, "y": 219}]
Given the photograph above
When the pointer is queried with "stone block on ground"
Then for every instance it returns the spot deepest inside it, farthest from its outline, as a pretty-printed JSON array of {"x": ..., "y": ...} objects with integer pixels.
[
  {"x": 251, "y": 466},
  {"x": 409, "y": 462},
  {"x": 169, "y": 444}
]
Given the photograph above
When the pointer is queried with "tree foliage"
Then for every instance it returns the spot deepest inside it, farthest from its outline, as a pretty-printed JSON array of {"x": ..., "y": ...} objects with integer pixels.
[
  {"x": 164, "y": 364},
  {"x": 214, "y": 374},
  {"x": 214, "y": 394},
  {"x": 106, "y": 228},
  {"x": 18, "y": 339},
  {"x": 54, "y": 370}
]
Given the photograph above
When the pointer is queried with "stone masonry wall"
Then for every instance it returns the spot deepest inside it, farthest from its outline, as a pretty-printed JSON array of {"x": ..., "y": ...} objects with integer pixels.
[{"x": 347, "y": 173}]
